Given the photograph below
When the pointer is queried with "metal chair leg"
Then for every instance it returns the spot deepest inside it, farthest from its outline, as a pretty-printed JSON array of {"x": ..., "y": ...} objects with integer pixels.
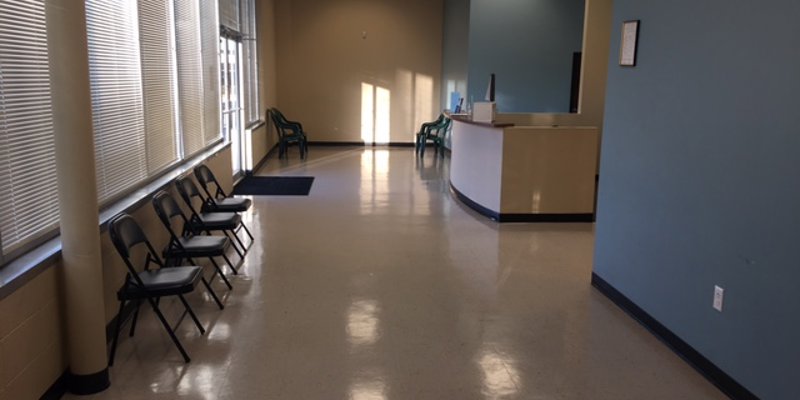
[
  {"x": 219, "y": 272},
  {"x": 191, "y": 314},
  {"x": 239, "y": 252},
  {"x": 117, "y": 328},
  {"x": 135, "y": 318},
  {"x": 169, "y": 329},
  {"x": 247, "y": 231},
  {"x": 212, "y": 293},
  {"x": 230, "y": 264},
  {"x": 236, "y": 237}
]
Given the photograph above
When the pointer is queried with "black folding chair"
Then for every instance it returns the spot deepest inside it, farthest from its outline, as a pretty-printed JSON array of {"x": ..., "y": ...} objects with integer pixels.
[
  {"x": 188, "y": 245},
  {"x": 227, "y": 222},
  {"x": 219, "y": 201},
  {"x": 149, "y": 284}
]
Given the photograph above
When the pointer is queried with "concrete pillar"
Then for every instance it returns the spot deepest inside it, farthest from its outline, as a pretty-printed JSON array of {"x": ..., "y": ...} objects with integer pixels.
[{"x": 77, "y": 195}]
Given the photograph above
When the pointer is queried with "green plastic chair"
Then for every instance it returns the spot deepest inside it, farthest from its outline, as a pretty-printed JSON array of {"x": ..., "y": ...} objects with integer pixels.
[
  {"x": 435, "y": 133},
  {"x": 288, "y": 132},
  {"x": 423, "y": 132}
]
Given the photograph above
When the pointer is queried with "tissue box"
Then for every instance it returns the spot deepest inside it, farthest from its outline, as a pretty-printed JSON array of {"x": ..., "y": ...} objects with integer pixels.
[{"x": 484, "y": 111}]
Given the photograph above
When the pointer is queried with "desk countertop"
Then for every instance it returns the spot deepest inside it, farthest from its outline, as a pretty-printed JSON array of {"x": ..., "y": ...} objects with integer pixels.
[{"x": 467, "y": 119}]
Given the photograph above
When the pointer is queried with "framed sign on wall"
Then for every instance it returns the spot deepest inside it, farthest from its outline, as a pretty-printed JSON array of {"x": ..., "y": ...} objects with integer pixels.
[{"x": 630, "y": 38}]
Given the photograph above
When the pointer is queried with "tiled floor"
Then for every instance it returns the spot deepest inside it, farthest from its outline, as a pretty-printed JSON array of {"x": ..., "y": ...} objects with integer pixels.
[{"x": 380, "y": 285}]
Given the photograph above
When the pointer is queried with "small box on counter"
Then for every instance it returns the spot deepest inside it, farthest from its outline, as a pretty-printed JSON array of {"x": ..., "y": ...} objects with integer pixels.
[{"x": 484, "y": 111}]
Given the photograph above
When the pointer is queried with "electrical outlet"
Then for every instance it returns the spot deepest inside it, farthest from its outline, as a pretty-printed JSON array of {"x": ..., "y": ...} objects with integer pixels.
[{"x": 719, "y": 295}]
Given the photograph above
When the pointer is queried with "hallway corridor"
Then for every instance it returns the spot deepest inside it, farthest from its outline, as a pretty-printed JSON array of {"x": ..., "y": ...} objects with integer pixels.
[{"x": 380, "y": 285}]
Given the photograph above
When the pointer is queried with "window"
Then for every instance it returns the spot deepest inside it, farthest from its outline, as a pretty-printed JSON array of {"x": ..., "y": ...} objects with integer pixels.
[
  {"x": 230, "y": 63},
  {"x": 239, "y": 78},
  {"x": 154, "y": 77},
  {"x": 250, "y": 61},
  {"x": 209, "y": 26},
  {"x": 238, "y": 18},
  {"x": 159, "y": 82},
  {"x": 117, "y": 101},
  {"x": 229, "y": 12},
  {"x": 154, "y": 92},
  {"x": 197, "y": 33},
  {"x": 190, "y": 74},
  {"x": 28, "y": 207}
]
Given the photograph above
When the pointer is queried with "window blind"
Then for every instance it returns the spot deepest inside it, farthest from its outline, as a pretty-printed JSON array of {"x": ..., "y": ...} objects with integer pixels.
[
  {"x": 250, "y": 61},
  {"x": 157, "y": 49},
  {"x": 116, "y": 87},
  {"x": 209, "y": 28},
  {"x": 229, "y": 14},
  {"x": 190, "y": 74},
  {"x": 28, "y": 206}
]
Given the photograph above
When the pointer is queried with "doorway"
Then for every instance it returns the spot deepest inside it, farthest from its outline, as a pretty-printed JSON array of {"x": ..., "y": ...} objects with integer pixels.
[{"x": 230, "y": 59}]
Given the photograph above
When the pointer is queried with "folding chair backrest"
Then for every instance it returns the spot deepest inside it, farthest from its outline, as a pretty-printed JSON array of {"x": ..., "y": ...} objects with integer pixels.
[
  {"x": 205, "y": 177},
  {"x": 188, "y": 191},
  {"x": 167, "y": 208},
  {"x": 126, "y": 234}
]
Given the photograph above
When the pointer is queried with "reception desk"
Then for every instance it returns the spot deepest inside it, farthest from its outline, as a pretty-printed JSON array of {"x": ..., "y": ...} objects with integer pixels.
[{"x": 525, "y": 173}]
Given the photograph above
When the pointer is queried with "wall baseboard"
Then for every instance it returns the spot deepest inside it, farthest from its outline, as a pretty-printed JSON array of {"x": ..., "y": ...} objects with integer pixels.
[
  {"x": 262, "y": 161},
  {"x": 274, "y": 148},
  {"x": 500, "y": 217},
  {"x": 704, "y": 366},
  {"x": 337, "y": 144},
  {"x": 60, "y": 387}
]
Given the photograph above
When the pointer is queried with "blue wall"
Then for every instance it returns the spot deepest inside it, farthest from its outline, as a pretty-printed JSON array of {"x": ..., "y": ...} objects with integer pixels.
[
  {"x": 528, "y": 44},
  {"x": 454, "y": 49},
  {"x": 700, "y": 181}
]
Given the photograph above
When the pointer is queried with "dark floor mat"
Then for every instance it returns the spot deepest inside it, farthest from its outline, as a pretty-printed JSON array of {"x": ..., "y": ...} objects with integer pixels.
[{"x": 274, "y": 185}]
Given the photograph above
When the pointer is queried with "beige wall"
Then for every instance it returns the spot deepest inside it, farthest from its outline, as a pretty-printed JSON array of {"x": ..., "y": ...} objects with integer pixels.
[
  {"x": 32, "y": 346},
  {"x": 32, "y": 343},
  {"x": 326, "y": 50},
  {"x": 264, "y": 138}
]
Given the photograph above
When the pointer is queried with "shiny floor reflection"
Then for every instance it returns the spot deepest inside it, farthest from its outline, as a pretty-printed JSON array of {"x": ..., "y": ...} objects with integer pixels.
[{"x": 380, "y": 285}]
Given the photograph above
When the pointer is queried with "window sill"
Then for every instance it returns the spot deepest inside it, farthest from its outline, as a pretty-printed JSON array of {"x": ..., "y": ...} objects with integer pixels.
[
  {"x": 22, "y": 270},
  {"x": 255, "y": 125}
]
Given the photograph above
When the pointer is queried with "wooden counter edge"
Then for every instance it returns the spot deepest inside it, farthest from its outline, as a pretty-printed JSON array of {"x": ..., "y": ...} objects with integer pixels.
[{"x": 465, "y": 118}]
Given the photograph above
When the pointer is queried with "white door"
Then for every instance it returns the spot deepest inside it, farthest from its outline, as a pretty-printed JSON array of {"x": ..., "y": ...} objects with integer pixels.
[{"x": 232, "y": 113}]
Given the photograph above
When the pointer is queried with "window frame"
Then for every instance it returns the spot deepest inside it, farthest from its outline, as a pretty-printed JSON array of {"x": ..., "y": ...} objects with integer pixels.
[
  {"x": 28, "y": 253},
  {"x": 25, "y": 112}
]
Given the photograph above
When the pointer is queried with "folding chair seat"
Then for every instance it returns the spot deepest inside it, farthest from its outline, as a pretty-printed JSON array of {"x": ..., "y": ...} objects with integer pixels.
[
  {"x": 188, "y": 245},
  {"x": 150, "y": 284},
  {"x": 230, "y": 204},
  {"x": 227, "y": 222},
  {"x": 219, "y": 201}
]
